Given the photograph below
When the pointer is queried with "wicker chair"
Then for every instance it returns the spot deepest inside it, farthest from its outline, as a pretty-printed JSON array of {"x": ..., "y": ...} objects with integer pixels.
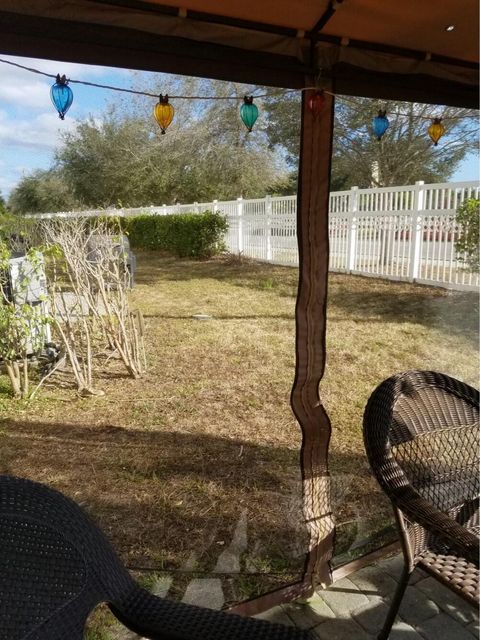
[
  {"x": 56, "y": 566},
  {"x": 421, "y": 436}
]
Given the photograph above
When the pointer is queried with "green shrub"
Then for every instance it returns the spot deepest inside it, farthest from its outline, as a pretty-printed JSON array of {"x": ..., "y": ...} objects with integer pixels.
[
  {"x": 186, "y": 235},
  {"x": 467, "y": 244}
]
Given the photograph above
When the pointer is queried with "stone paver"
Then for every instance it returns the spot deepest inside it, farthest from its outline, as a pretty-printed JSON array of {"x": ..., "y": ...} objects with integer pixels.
[
  {"x": 343, "y": 597},
  {"x": 311, "y": 613},
  {"x": 448, "y": 601},
  {"x": 162, "y": 585},
  {"x": 341, "y": 630},
  {"x": 403, "y": 631},
  {"x": 393, "y": 566},
  {"x": 371, "y": 616},
  {"x": 277, "y": 614},
  {"x": 374, "y": 582},
  {"x": 229, "y": 559},
  {"x": 354, "y": 608},
  {"x": 205, "y": 592},
  {"x": 416, "y": 607},
  {"x": 443, "y": 627},
  {"x": 474, "y": 629}
]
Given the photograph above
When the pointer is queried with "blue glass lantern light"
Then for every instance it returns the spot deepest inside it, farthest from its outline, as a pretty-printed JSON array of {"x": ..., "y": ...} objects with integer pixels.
[
  {"x": 248, "y": 112},
  {"x": 61, "y": 95},
  {"x": 380, "y": 124}
]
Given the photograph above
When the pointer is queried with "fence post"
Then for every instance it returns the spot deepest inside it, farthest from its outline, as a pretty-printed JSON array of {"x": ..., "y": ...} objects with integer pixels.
[
  {"x": 164, "y": 209},
  {"x": 215, "y": 206},
  {"x": 417, "y": 230},
  {"x": 240, "y": 224},
  {"x": 268, "y": 226},
  {"x": 352, "y": 230},
  {"x": 195, "y": 206}
]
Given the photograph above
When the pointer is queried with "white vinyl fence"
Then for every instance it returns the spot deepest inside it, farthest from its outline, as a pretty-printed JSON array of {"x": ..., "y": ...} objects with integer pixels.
[{"x": 401, "y": 233}]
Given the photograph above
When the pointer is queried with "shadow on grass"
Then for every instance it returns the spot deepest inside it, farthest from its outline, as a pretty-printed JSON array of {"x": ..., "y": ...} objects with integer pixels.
[
  {"x": 354, "y": 298},
  {"x": 154, "y": 267},
  {"x": 453, "y": 312},
  {"x": 161, "y": 496},
  {"x": 220, "y": 316}
]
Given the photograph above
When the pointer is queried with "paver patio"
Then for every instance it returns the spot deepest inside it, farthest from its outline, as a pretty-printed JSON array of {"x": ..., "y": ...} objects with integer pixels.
[{"x": 354, "y": 608}]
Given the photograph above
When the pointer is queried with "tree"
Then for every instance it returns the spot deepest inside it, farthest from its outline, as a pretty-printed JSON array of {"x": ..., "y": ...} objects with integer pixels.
[
  {"x": 43, "y": 191},
  {"x": 121, "y": 158},
  {"x": 405, "y": 153},
  {"x": 468, "y": 242},
  {"x": 207, "y": 153},
  {"x": 3, "y": 205}
]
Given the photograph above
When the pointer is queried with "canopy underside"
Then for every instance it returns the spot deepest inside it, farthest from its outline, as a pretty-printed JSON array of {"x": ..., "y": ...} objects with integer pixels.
[{"x": 385, "y": 49}]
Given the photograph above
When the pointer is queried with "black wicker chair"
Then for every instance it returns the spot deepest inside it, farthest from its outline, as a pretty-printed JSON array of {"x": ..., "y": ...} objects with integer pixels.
[
  {"x": 56, "y": 566},
  {"x": 421, "y": 435}
]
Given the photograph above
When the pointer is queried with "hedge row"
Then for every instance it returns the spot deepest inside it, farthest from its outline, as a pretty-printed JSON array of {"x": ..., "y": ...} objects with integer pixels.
[{"x": 187, "y": 235}]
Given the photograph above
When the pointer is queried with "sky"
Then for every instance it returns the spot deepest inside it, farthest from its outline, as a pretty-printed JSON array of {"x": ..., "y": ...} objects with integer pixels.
[{"x": 30, "y": 127}]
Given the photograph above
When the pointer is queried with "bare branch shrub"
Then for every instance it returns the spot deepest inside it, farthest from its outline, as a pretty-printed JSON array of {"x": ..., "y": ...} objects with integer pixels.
[{"x": 89, "y": 287}]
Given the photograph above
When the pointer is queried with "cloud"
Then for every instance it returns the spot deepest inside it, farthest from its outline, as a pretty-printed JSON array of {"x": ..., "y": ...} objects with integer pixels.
[
  {"x": 25, "y": 90},
  {"x": 70, "y": 69},
  {"x": 29, "y": 126},
  {"x": 39, "y": 132}
]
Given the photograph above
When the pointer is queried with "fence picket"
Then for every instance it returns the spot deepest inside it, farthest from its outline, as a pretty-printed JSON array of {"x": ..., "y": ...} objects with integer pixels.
[{"x": 406, "y": 232}]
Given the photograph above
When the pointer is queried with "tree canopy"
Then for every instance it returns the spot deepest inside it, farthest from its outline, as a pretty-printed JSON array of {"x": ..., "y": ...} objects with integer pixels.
[
  {"x": 121, "y": 158},
  {"x": 404, "y": 154}
]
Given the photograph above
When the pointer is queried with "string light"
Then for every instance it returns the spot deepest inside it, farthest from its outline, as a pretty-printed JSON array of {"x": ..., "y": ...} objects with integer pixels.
[
  {"x": 316, "y": 102},
  {"x": 62, "y": 97},
  {"x": 380, "y": 124},
  {"x": 436, "y": 130},
  {"x": 248, "y": 112},
  {"x": 163, "y": 113}
]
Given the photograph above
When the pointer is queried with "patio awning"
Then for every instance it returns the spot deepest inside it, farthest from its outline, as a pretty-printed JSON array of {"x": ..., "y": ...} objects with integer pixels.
[{"x": 422, "y": 51}]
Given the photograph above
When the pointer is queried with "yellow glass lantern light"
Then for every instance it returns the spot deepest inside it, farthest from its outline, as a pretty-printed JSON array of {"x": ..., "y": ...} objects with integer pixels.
[
  {"x": 436, "y": 130},
  {"x": 163, "y": 113}
]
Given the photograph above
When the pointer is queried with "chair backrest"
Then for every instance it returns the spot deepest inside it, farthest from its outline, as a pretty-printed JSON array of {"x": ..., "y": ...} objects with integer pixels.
[
  {"x": 421, "y": 428},
  {"x": 56, "y": 566}
]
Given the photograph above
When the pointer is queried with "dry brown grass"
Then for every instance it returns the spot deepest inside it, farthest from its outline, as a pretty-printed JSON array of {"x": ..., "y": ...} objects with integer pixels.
[{"x": 167, "y": 464}]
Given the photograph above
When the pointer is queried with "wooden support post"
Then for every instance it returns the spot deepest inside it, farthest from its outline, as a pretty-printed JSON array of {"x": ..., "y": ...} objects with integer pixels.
[{"x": 312, "y": 230}]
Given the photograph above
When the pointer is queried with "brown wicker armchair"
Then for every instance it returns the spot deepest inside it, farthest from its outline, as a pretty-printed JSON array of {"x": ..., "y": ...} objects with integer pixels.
[{"x": 421, "y": 436}]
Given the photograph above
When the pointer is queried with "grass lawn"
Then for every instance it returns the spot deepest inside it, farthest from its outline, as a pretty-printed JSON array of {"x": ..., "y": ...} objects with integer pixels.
[{"x": 169, "y": 465}]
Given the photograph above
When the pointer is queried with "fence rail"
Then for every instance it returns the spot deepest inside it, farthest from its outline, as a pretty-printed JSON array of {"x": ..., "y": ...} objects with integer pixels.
[{"x": 402, "y": 233}]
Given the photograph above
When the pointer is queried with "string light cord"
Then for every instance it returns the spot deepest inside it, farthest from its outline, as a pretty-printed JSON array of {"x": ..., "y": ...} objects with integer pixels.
[{"x": 149, "y": 94}]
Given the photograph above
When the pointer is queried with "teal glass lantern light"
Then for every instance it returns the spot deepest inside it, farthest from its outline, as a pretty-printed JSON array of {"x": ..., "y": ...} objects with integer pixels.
[
  {"x": 248, "y": 112},
  {"x": 61, "y": 96},
  {"x": 380, "y": 124}
]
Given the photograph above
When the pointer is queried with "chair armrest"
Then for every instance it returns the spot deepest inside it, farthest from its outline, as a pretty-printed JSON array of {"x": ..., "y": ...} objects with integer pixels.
[
  {"x": 161, "y": 619},
  {"x": 419, "y": 510}
]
